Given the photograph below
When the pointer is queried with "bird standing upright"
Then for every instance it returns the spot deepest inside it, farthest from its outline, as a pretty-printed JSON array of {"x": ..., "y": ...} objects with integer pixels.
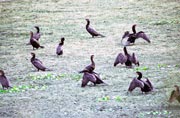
[
  {"x": 91, "y": 30},
  {"x": 34, "y": 42},
  {"x": 4, "y": 81},
  {"x": 175, "y": 94},
  {"x": 37, "y": 63},
  {"x": 59, "y": 50},
  {"x": 90, "y": 68}
]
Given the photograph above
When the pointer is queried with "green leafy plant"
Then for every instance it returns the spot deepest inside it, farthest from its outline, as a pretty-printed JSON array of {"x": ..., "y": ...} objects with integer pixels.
[
  {"x": 76, "y": 77},
  {"x": 141, "y": 68},
  {"x": 118, "y": 98},
  {"x": 46, "y": 76},
  {"x": 22, "y": 88},
  {"x": 104, "y": 99},
  {"x": 162, "y": 65}
]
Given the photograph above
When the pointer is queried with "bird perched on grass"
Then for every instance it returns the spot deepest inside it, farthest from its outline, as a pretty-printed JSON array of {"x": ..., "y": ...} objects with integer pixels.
[
  {"x": 59, "y": 50},
  {"x": 90, "y": 77},
  {"x": 4, "y": 81},
  {"x": 91, "y": 31},
  {"x": 175, "y": 95},
  {"x": 133, "y": 36},
  {"x": 35, "y": 35},
  {"x": 126, "y": 59},
  {"x": 37, "y": 63},
  {"x": 145, "y": 85},
  {"x": 90, "y": 68},
  {"x": 34, "y": 42}
]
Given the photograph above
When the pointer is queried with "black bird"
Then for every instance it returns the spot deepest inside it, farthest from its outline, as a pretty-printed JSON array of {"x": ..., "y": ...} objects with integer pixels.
[
  {"x": 175, "y": 95},
  {"x": 145, "y": 86},
  {"x": 37, "y": 63},
  {"x": 34, "y": 42},
  {"x": 91, "y": 30},
  {"x": 126, "y": 58},
  {"x": 59, "y": 50},
  {"x": 92, "y": 77},
  {"x": 4, "y": 81},
  {"x": 36, "y": 35},
  {"x": 133, "y": 36},
  {"x": 90, "y": 68}
]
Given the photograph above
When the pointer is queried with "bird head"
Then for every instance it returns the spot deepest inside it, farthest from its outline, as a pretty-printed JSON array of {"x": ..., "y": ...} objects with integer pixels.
[
  {"x": 139, "y": 73},
  {"x": 33, "y": 54},
  {"x": 87, "y": 20},
  {"x": 62, "y": 39},
  {"x": 1, "y": 72}
]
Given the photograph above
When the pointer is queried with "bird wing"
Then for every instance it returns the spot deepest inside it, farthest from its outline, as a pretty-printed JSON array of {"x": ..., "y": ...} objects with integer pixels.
[
  {"x": 37, "y": 60},
  {"x": 172, "y": 96},
  {"x": 92, "y": 31},
  {"x": 38, "y": 64},
  {"x": 91, "y": 77},
  {"x": 149, "y": 83},
  {"x": 135, "y": 83},
  {"x": 120, "y": 59},
  {"x": 98, "y": 79},
  {"x": 141, "y": 34},
  {"x": 58, "y": 49},
  {"x": 84, "y": 81},
  {"x": 36, "y": 36},
  {"x": 134, "y": 59},
  {"x": 126, "y": 34},
  {"x": 4, "y": 81},
  {"x": 34, "y": 41}
]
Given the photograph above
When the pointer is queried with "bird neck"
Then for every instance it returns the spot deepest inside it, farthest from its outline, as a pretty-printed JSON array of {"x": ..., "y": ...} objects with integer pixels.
[
  {"x": 92, "y": 61},
  {"x": 139, "y": 77},
  {"x": 37, "y": 29},
  {"x": 125, "y": 51},
  {"x": 87, "y": 25},
  {"x": 177, "y": 88},
  {"x": 134, "y": 29},
  {"x": 33, "y": 57},
  {"x": 61, "y": 43}
]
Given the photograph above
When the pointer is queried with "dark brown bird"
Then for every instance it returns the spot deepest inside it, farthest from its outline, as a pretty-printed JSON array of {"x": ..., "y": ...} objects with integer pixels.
[
  {"x": 37, "y": 63},
  {"x": 37, "y": 35},
  {"x": 34, "y": 42},
  {"x": 175, "y": 95},
  {"x": 92, "y": 77},
  {"x": 126, "y": 58},
  {"x": 145, "y": 86},
  {"x": 91, "y": 30},
  {"x": 90, "y": 68},
  {"x": 133, "y": 36},
  {"x": 4, "y": 81},
  {"x": 59, "y": 50}
]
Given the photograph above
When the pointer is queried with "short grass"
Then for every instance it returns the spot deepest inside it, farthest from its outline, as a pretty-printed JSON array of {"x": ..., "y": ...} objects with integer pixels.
[{"x": 57, "y": 93}]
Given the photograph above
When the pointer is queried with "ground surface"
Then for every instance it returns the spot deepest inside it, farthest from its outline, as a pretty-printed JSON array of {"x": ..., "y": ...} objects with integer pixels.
[{"x": 57, "y": 93}]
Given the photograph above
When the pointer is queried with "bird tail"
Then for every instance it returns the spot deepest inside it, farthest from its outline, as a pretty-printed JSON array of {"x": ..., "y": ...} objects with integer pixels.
[
  {"x": 41, "y": 46},
  {"x": 102, "y": 35},
  {"x": 47, "y": 69}
]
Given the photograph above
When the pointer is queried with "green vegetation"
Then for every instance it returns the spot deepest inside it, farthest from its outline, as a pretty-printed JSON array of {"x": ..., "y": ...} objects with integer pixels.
[
  {"x": 141, "y": 68},
  {"x": 107, "y": 98},
  {"x": 23, "y": 88}
]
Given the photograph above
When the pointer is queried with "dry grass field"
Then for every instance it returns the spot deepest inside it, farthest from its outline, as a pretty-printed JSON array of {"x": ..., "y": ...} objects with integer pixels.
[{"x": 57, "y": 93}]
